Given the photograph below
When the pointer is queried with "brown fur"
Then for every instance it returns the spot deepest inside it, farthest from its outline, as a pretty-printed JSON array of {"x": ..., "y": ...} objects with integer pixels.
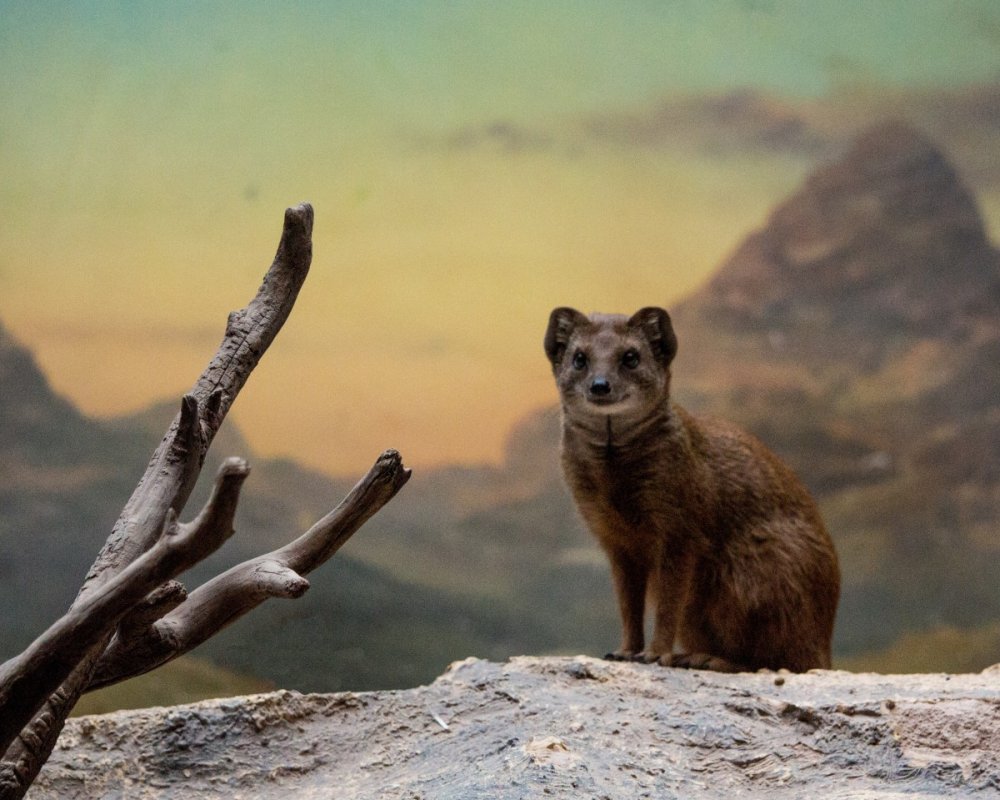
[{"x": 698, "y": 518}]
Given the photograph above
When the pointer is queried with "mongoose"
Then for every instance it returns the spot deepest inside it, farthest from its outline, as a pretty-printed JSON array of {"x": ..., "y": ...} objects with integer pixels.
[{"x": 698, "y": 518}]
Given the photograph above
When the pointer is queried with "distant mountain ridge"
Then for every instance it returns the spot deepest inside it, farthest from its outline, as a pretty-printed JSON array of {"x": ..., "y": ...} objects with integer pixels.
[
  {"x": 857, "y": 332},
  {"x": 39, "y": 427},
  {"x": 876, "y": 276},
  {"x": 64, "y": 478},
  {"x": 888, "y": 236}
]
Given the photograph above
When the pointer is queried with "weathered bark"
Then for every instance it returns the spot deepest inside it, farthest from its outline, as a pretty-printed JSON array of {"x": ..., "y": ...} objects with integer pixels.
[
  {"x": 84, "y": 631},
  {"x": 227, "y": 597},
  {"x": 28, "y": 679},
  {"x": 128, "y": 588},
  {"x": 173, "y": 471},
  {"x": 174, "y": 467}
]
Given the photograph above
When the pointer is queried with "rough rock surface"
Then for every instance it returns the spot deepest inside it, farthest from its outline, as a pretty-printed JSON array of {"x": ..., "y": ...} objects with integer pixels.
[{"x": 557, "y": 726}]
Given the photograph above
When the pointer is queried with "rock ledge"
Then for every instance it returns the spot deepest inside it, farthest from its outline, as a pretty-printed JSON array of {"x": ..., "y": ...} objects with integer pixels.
[{"x": 555, "y": 726}]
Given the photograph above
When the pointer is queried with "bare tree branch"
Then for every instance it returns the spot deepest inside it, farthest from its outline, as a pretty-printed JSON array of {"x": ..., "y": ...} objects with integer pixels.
[
  {"x": 28, "y": 679},
  {"x": 227, "y": 597},
  {"x": 170, "y": 477},
  {"x": 174, "y": 467},
  {"x": 32, "y": 748}
]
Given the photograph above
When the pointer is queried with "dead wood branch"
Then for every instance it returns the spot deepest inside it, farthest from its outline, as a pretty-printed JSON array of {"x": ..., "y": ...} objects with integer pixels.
[
  {"x": 174, "y": 467},
  {"x": 28, "y": 679},
  {"x": 227, "y": 597},
  {"x": 129, "y": 586}
]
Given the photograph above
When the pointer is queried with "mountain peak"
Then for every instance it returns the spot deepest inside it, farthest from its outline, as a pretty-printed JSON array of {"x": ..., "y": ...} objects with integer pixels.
[
  {"x": 38, "y": 424},
  {"x": 888, "y": 234},
  {"x": 892, "y": 176},
  {"x": 893, "y": 148}
]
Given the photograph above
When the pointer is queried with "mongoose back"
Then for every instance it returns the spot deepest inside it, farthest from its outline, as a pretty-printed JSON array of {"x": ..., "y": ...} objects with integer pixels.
[{"x": 699, "y": 519}]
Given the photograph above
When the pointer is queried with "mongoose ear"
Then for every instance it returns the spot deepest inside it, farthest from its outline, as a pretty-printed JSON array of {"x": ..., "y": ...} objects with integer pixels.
[
  {"x": 656, "y": 326},
  {"x": 562, "y": 321}
]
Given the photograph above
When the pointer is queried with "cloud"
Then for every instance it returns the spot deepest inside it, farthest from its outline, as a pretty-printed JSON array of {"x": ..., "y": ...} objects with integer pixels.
[
  {"x": 964, "y": 121},
  {"x": 503, "y": 136},
  {"x": 742, "y": 120}
]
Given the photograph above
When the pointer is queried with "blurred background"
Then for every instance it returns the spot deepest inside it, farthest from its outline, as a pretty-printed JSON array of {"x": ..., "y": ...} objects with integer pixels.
[{"x": 812, "y": 189}]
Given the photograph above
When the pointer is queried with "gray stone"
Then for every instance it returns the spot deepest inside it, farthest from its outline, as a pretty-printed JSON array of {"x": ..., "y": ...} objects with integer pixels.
[{"x": 555, "y": 727}]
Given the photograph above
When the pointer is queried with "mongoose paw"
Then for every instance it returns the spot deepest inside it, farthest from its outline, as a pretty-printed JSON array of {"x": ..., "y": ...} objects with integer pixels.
[
  {"x": 620, "y": 655},
  {"x": 698, "y": 661},
  {"x": 648, "y": 657}
]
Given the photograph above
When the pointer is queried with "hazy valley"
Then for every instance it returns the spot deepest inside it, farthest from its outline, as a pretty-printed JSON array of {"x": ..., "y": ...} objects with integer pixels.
[{"x": 857, "y": 332}]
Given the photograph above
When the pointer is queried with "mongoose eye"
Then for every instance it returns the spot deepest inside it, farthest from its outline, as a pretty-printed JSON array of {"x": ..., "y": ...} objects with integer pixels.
[
  {"x": 579, "y": 360},
  {"x": 630, "y": 359}
]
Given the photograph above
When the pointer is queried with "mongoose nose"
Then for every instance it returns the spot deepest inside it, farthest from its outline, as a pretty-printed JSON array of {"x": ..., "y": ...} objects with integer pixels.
[{"x": 600, "y": 387}]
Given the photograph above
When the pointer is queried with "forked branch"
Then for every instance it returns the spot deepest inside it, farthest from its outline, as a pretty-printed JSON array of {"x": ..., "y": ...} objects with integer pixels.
[
  {"x": 176, "y": 464},
  {"x": 29, "y": 678},
  {"x": 227, "y": 597},
  {"x": 129, "y": 587}
]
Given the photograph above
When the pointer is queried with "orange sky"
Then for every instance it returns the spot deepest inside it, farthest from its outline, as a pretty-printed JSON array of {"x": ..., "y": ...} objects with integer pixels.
[
  {"x": 462, "y": 186},
  {"x": 420, "y": 325}
]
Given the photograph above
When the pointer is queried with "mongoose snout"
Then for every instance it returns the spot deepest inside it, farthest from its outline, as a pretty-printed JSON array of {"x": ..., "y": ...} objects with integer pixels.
[
  {"x": 600, "y": 388},
  {"x": 700, "y": 521}
]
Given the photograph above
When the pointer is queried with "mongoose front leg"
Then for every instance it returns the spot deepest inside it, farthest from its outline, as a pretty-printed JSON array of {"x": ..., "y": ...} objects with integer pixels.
[
  {"x": 630, "y": 578},
  {"x": 669, "y": 590}
]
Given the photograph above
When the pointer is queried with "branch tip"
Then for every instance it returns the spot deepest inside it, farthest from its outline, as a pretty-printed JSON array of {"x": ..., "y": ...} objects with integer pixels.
[
  {"x": 162, "y": 600},
  {"x": 214, "y": 402},
  {"x": 186, "y": 440},
  {"x": 170, "y": 593},
  {"x": 232, "y": 468},
  {"x": 390, "y": 469},
  {"x": 189, "y": 407},
  {"x": 300, "y": 216}
]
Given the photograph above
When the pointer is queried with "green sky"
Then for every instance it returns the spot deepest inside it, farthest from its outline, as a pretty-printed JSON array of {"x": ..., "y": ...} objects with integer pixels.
[{"x": 471, "y": 164}]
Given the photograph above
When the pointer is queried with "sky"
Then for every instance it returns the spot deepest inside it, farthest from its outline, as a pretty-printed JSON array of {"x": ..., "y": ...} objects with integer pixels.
[{"x": 471, "y": 164}]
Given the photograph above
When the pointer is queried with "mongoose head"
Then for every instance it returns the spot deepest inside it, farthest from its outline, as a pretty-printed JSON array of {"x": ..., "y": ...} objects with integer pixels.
[{"x": 608, "y": 364}]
